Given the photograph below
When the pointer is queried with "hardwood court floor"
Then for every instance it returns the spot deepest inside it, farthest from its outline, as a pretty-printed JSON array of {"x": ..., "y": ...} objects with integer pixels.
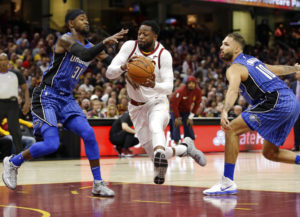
[{"x": 63, "y": 189}]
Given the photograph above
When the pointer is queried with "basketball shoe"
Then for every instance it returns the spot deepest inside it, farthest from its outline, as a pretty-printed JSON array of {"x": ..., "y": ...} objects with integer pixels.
[
  {"x": 100, "y": 189},
  {"x": 192, "y": 151},
  {"x": 10, "y": 173},
  {"x": 160, "y": 166},
  {"x": 225, "y": 186}
]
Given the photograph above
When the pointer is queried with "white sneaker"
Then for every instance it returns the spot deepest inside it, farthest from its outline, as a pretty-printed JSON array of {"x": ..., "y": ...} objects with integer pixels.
[
  {"x": 226, "y": 186},
  {"x": 160, "y": 166},
  {"x": 10, "y": 173},
  {"x": 192, "y": 151},
  {"x": 100, "y": 189}
]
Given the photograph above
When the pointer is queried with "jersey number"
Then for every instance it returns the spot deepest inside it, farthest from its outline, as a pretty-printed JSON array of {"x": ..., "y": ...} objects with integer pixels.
[
  {"x": 265, "y": 71},
  {"x": 77, "y": 72}
]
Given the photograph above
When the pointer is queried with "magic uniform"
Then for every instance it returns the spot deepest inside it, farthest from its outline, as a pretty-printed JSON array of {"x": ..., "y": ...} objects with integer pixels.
[
  {"x": 146, "y": 101},
  {"x": 53, "y": 100},
  {"x": 274, "y": 106}
]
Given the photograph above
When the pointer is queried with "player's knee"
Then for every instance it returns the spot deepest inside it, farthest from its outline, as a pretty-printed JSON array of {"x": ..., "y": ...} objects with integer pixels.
[
  {"x": 232, "y": 132},
  {"x": 52, "y": 144},
  {"x": 270, "y": 154},
  {"x": 88, "y": 133},
  {"x": 155, "y": 127}
]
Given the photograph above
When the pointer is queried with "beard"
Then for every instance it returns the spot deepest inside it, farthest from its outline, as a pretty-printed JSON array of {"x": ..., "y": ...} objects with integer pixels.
[
  {"x": 227, "y": 56},
  {"x": 145, "y": 46},
  {"x": 84, "y": 32}
]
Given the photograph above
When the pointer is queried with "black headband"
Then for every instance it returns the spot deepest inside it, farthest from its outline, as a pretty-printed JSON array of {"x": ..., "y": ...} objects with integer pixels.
[{"x": 72, "y": 14}]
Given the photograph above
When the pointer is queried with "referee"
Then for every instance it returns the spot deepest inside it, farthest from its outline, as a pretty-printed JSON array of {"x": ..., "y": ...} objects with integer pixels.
[{"x": 9, "y": 108}]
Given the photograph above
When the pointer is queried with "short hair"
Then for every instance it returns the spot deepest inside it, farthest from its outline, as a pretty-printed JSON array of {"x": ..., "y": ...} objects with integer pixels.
[
  {"x": 153, "y": 25},
  {"x": 238, "y": 38}
]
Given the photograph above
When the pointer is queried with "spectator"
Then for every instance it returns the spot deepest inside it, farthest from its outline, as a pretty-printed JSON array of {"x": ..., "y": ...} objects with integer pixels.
[
  {"x": 184, "y": 104},
  {"x": 95, "y": 113},
  {"x": 112, "y": 111}
]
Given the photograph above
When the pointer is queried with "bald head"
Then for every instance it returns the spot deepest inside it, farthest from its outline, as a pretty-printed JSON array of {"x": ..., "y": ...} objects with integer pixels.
[
  {"x": 3, "y": 62},
  {"x": 3, "y": 56}
]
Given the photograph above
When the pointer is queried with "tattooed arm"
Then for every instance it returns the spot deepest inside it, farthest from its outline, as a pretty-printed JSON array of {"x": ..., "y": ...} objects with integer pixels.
[{"x": 283, "y": 69}]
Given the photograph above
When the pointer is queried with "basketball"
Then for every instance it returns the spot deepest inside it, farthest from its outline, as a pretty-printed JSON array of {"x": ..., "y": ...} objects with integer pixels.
[{"x": 140, "y": 69}]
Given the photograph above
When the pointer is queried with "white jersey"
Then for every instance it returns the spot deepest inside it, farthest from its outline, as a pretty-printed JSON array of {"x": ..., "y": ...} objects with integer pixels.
[{"x": 163, "y": 71}]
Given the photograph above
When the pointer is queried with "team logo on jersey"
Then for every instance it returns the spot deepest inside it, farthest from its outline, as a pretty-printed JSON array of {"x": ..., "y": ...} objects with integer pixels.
[
  {"x": 177, "y": 95},
  {"x": 254, "y": 118}
]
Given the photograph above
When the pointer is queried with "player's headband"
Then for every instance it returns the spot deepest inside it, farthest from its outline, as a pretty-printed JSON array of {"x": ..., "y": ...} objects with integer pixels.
[{"x": 72, "y": 14}]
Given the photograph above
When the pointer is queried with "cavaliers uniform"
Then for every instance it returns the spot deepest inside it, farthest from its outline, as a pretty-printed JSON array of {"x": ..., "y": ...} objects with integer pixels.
[
  {"x": 148, "y": 107},
  {"x": 53, "y": 100},
  {"x": 274, "y": 106}
]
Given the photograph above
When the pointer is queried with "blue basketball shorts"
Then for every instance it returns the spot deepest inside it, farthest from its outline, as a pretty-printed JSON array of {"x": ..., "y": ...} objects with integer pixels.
[
  {"x": 50, "y": 107},
  {"x": 274, "y": 117}
]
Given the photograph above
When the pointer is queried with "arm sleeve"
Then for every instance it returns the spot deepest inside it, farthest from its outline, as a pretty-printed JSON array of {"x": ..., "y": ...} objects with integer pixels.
[
  {"x": 174, "y": 102},
  {"x": 198, "y": 100},
  {"x": 166, "y": 73},
  {"x": 114, "y": 69},
  {"x": 86, "y": 54}
]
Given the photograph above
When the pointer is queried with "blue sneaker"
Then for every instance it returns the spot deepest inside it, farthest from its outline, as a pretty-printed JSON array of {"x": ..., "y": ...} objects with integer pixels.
[{"x": 226, "y": 186}]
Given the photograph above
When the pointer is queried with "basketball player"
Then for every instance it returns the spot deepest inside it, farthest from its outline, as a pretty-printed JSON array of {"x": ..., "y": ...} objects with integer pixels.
[
  {"x": 273, "y": 113},
  {"x": 149, "y": 106},
  {"x": 53, "y": 101}
]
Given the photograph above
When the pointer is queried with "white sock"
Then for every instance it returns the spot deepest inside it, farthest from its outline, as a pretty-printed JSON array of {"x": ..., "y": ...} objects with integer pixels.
[{"x": 180, "y": 150}]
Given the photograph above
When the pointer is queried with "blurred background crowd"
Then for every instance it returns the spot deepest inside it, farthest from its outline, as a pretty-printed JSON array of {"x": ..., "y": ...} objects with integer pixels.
[{"x": 194, "y": 49}]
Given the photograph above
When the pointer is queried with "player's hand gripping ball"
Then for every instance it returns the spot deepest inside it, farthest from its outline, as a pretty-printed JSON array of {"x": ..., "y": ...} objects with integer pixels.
[{"x": 140, "y": 69}]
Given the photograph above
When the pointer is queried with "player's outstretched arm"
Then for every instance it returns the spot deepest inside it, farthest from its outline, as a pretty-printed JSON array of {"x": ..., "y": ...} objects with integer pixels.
[
  {"x": 283, "y": 69},
  {"x": 67, "y": 43}
]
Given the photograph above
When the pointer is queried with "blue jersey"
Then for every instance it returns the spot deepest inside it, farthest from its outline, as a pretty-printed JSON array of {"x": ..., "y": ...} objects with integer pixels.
[
  {"x": 261, "y": 80},
  {"x": 64, "y": 71}
]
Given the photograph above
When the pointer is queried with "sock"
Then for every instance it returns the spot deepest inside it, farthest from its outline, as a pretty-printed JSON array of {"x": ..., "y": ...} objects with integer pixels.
[
  {"x": 181, "y": 150},
  {"x": 169, "y": 152},
  {"x": 96, "y": 173},
  {"x": 297, "y": 160},
  {"x": 17, "y": 160},
  {"x": 229, "y": 170}
]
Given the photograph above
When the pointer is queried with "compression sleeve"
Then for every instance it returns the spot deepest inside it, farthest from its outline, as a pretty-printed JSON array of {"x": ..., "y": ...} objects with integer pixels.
[{"x": 86, "y": 54}]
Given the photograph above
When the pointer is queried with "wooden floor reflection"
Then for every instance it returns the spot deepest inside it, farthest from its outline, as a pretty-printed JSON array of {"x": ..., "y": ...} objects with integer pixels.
[{"x": 62, "y": 188}]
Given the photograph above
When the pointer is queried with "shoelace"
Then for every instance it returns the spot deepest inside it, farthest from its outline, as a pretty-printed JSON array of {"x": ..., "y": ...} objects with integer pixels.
[{"x": 13, "y": 171}]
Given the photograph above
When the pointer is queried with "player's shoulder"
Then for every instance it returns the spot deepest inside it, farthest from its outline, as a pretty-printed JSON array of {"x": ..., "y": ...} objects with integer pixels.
[
  {"x": 165, "y": 53},
  {"x": 65, "y": 36},
  {"x": 129, "y": 44}
]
